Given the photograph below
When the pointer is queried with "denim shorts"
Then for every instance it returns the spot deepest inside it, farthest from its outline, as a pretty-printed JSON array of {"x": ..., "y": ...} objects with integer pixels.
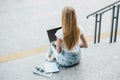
[{"x": 66, "y": 58}]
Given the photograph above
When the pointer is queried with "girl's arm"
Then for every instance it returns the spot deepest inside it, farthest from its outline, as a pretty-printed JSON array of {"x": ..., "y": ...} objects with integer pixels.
[
  {"x": 83, "y": 43},
  {"x": 59, "y": 45}
]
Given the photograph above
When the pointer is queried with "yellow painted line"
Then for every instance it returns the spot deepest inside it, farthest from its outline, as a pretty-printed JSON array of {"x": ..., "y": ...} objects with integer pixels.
[
  {"x": 17, "y": 55},
  {"x": 104, "y": 35},
  {"x": 22, "y": 54}
]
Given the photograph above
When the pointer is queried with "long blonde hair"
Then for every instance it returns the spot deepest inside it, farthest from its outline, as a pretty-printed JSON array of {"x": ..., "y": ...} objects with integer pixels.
[{"x": 70, "y": 28}]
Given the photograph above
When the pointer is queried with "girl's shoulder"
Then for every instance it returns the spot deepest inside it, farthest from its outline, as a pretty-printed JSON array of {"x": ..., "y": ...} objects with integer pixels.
[
  {"x": 60, "y": 30},
  {"x": 81, "y": 29},
  {"x": 59, "y": 34}
]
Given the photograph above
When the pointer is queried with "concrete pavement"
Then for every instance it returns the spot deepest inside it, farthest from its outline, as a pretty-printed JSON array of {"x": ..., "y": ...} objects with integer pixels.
[
  {"x": 99, "y": 62},
  {"x": 23, "y": 25}
]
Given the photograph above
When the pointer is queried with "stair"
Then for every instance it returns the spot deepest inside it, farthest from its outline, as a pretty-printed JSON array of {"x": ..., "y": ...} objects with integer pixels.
[{"x": 98, "y": 62}]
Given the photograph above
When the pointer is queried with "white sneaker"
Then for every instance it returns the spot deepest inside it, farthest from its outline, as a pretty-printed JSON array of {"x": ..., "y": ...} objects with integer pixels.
[{"x": 50, "y": 59}]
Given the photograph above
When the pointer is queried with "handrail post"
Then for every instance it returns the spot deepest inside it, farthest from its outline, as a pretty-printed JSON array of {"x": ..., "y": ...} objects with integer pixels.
[
  {"x": 111, "y": 32},
  {"x": 100, "y": 20},
  {"x": 116, "y": 26},
  {"x": 115, "y": 17},
  {"x": 96, "y": 18}
]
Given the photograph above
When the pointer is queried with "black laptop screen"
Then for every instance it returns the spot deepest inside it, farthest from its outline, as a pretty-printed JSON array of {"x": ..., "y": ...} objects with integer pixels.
[{"x": 51, "y": 34}]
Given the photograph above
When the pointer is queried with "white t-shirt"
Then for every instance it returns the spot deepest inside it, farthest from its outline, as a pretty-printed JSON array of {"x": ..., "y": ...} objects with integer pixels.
[{"x": 59, "y": 34}]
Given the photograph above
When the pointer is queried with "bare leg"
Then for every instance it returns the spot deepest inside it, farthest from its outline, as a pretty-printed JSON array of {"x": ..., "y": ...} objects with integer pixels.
[
  {"x": 50, "y": 56},
  {"x": 54, "y": 52},
  {"x": 50, "y": 51}
]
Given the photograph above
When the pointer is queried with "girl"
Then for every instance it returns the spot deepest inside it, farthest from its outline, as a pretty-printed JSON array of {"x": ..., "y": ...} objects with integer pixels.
[{"x": 67, "y": 51}]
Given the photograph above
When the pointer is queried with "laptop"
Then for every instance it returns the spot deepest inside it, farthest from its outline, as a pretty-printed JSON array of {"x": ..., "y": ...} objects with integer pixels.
[{"x": 51, "y": 34}]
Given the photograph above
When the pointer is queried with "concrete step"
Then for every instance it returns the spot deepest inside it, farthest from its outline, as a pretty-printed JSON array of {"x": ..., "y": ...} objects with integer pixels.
[{"x": 99, "y": 62}]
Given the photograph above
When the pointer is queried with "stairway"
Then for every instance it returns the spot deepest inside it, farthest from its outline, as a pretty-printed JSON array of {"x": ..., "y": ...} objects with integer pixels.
[{"x": 98, "y": 62}]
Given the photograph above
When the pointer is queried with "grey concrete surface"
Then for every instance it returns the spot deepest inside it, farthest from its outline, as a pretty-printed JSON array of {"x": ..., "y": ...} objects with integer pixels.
[
  {"x": 99, "y": 62},
  {"x": 23, "y": 23}
]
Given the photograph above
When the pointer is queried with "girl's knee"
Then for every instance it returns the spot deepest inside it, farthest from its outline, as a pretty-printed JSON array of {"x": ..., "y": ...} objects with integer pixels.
[{"x": 50, "y": 51}]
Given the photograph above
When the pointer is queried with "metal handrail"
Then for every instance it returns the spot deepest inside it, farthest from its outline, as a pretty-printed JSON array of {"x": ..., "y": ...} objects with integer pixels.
[
  {"x": 114, "y": 24},
  {"x": 105, "y": 9}
]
